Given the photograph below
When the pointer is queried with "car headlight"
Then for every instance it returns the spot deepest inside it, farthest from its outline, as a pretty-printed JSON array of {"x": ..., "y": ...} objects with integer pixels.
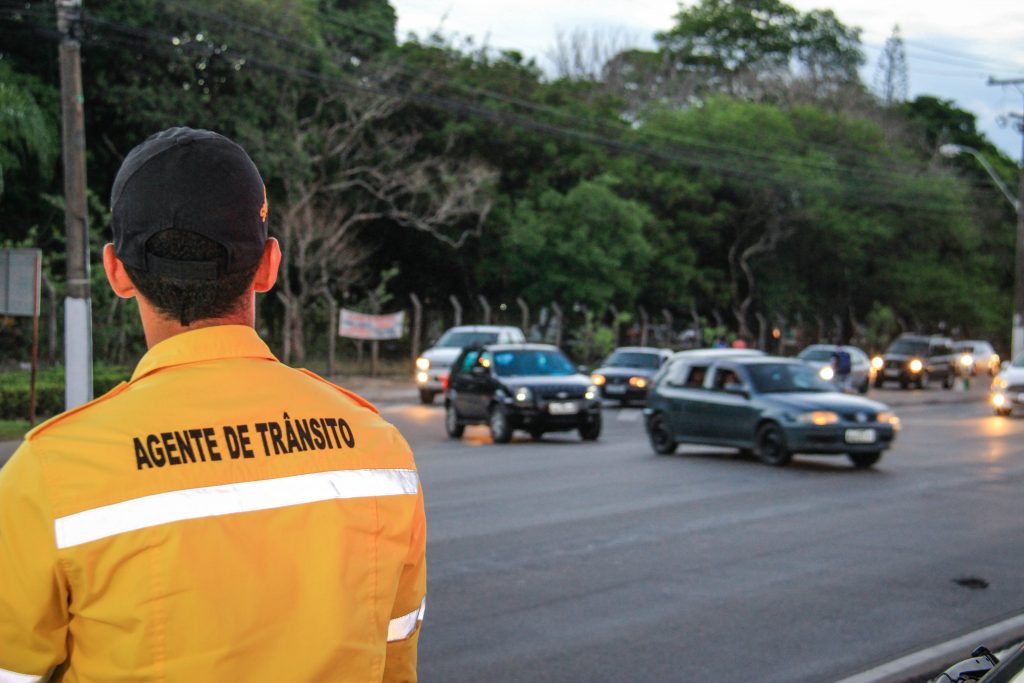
[
  {"x": 818, "y": 417},
  {"x": 591, "y": 393},
  {"x": 877, "y": 362},
  {"x": 916, "y": 365},
  {"x": 999, "y": 400},
  {"x": 999, "y": 383},
  {"x": 827, "y": 373},
  {"x": 598, "y": 379},
  {"x": 423, "y": 363},
  {"x": 422, "y": 377},
  {"x": 966, "y": 360},
  {"x": 638, "y": 382},
  {"x": 523, "y": 394},
  {"x": 889, "y": 417}
]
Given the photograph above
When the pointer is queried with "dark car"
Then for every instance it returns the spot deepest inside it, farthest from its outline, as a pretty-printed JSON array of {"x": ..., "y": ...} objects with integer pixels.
[
  {"x": 916, "y": 360},
  {"x": 774, "y": 407},
  {"x": 628, "y": 371},
  {"x": 520, "y": 386}
]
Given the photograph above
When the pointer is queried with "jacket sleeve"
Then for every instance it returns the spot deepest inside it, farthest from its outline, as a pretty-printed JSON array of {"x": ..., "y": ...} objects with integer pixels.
[
  {"x": 410, "y": 603},
  {"x": 33, "y": 590}
]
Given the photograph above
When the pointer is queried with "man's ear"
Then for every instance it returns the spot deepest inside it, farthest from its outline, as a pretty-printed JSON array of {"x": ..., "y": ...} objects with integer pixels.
[
  {"x": 117, "y": 276},
  {"x": 266, "y": 272}
]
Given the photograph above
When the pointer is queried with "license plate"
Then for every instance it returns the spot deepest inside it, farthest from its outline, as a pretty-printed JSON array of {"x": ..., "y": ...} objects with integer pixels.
[
  {"x": 567, "y": 408},
  {"x": 861, "y": 436},
  {"x": 615, "y": 389},
  {"x": 892, "y": 372}
]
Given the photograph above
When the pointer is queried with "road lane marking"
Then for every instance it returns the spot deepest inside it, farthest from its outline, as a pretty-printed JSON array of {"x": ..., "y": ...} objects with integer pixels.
[{"x": 955, "y": 650}]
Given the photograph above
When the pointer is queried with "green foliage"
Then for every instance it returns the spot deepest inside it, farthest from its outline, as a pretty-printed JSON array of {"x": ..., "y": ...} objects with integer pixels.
[
  {"x": 15, "y": 389},
  {"x": 27, "y": 132},
  {"x": 585, "y": 246}
]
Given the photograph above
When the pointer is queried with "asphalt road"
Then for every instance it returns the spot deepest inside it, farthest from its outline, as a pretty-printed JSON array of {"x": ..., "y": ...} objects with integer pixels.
[{"x": 565, "y": 561}]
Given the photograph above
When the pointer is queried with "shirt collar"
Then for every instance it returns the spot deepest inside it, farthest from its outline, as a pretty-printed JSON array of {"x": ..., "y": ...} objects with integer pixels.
[{"x": 207, "y": 343}]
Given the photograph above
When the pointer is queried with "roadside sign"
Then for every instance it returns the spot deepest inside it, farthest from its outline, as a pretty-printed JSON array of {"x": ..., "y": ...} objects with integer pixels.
[
  {"x": 373, "y": 327},
  {"x": 20, "y": 275},
  {"x": 20, "y": 272}
]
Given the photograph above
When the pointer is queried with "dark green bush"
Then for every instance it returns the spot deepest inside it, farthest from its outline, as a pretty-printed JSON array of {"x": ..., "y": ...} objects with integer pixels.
[{"x": 15, "y": 390}]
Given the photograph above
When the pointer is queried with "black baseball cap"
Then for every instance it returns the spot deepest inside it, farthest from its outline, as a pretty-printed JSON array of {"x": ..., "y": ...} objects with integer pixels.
[{"x": 193, "y": 180}]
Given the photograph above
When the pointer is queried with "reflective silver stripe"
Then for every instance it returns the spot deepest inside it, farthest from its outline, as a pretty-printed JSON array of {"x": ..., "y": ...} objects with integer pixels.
[
  {"x": 228, "y": 499},
  {"x": 402, "y": 627},
  {"x": 14, "y": 677}
]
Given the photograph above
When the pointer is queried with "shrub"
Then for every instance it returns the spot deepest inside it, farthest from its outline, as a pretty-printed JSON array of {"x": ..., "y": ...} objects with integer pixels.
[{"x": 15, "y": 390}]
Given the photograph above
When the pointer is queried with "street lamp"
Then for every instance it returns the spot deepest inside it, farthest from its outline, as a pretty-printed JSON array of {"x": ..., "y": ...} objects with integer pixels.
[{"x": 1017, "y": 337}]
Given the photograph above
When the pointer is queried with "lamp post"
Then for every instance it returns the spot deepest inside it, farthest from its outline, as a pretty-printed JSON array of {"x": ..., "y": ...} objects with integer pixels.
[{"x": 1017, "y": 335}]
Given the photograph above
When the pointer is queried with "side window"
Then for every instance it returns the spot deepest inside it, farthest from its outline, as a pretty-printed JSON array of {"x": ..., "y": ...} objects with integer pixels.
[
  {"x": 516, "y": 337},
  {"x": 468, "y": 361},
  {"x": 675, "y": 373},
  {"x": 724, "y": 377},
  {"x": 695, "y": 378}
]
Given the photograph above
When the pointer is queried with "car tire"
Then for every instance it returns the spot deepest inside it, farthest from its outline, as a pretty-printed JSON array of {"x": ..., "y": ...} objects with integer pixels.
[
  {"x": 501, "y": 428},
  {"x": 660, "y": 433},
  {"x": 948, "y": 381},
  {"x": 771, "y": 446},
  {"x": 427, "y": 396},
  {"x": 452, "y": 424},
  {"x": 864, "y": 387},
  {"x": 591, "y": 431},
  {"x": 923, "y": 380},
  {"x": 864, "y": 460}
]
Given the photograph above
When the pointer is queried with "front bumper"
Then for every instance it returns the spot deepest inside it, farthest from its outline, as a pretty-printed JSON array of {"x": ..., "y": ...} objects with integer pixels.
[
  {"x": 623, "y": 392},
  {"x": 533, "y": 415},
  {"x": 433, "y": 379},
  {"x": 1007, "y": 400},
  {"x": 840, "y": 438}
]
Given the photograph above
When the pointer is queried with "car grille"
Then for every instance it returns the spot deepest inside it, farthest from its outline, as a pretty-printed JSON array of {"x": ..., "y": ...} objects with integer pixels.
[
  {"x": 552, "y": 393},
  {"x": 617, "y": 380},
  {"x": 860, "y": 416}
]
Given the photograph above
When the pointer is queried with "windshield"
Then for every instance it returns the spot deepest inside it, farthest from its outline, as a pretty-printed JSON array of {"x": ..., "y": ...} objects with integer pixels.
[
  {"x": 780, "y": 378},
  {"x": 532, "y": 362},
  {"x": 908, "y": 347},
  {"x": 633, "y": 359},
  {"x": 463, "y": 339},
  {"x": 815, "y": 355}
]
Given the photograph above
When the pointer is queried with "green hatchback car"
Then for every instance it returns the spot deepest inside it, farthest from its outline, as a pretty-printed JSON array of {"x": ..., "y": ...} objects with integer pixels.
[{"x": 772, "y": 407}]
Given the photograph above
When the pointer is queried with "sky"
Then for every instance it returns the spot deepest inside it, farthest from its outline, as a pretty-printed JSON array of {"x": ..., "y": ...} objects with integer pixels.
[{"x": 952, "y": 46}]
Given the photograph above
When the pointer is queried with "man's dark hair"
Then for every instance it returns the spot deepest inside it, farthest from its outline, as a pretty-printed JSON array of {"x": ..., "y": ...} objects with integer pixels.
[{"x": 190, "y": 300}]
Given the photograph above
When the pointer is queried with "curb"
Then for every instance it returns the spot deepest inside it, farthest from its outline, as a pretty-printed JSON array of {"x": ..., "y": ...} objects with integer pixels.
[{"x": 923, "y": 665}]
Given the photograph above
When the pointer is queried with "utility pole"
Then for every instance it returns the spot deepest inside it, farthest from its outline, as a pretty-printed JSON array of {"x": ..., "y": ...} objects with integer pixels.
[
  {"x": 1017, "y": 337},
  {"x": 77, "y": 303}
]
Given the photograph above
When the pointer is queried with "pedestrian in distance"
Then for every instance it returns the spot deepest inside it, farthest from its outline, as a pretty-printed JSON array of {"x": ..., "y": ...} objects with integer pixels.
[{"x": 220, "y": 516}]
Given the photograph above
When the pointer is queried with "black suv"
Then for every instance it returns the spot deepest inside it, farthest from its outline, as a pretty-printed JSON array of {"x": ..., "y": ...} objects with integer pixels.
[
  {"x": 520, "y": 386},
  {"x": 913, "y": 359}
]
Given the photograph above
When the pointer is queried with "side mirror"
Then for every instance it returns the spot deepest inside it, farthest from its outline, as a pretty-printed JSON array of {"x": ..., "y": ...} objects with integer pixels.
[{"x": 737, "y": 389}]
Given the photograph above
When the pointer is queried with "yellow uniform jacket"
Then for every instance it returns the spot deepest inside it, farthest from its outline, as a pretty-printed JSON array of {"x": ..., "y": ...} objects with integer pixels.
[{"x": 219, "y": 517}]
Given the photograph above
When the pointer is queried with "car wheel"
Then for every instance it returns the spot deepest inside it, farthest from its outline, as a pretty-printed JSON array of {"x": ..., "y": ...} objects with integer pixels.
[
  {"x": 660, "y": 434},
  {"x": 771, "y": 446},
  {"x": 864, "y": 460},
  {"x": 452, "y": 424},
  {"x": 948, "y": 381},
  {"x": 501, "y": 429},
  {"x": 590, "y": 431},
  {"x": 426, "y": 396},
  {"x": 863, "y": 388},
  {"x": 922, "y": 380}
]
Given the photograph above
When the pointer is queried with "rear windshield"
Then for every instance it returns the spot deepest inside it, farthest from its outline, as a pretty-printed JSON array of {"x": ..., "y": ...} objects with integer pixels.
[
  {"x": 633, "y": 359},
  {"x": 462, "y": 339},
  {"x": 532, "y": 362},
  {"x": 781, "y": 378},
  {"x": 908, "y": 347}
]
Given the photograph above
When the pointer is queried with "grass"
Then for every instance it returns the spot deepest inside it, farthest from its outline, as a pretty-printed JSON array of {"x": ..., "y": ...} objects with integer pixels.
[{"x": 13, "y": 429}]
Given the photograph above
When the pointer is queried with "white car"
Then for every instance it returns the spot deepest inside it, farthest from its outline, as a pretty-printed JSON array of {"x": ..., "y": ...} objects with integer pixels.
[
  {"x": 977, "y": 356},
  {"x": 433, "y": 365},
  {"x": 1007, "y": 393}
]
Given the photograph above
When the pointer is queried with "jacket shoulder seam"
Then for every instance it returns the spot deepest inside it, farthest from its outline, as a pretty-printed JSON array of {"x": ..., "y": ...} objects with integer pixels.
[{"x": 57, "y": 419}]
